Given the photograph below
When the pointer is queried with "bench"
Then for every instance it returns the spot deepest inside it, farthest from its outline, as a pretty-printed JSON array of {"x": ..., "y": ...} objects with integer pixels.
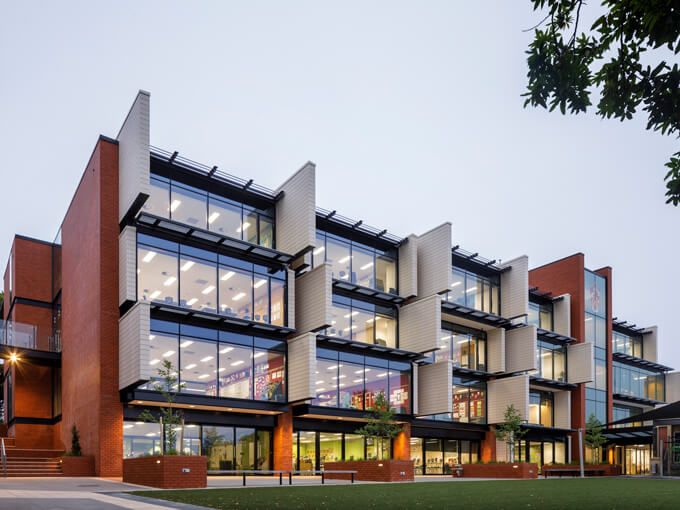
[
  {"x": 573, "y": 472},
  {"x": 246, "y": 472}
]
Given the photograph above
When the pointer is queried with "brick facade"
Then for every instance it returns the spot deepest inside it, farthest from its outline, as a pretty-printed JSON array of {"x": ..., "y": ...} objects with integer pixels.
[
  {"x": 283, "y": 442},
  {"x": 372, "y": 470},
  {"x": 500, "y": 470},
  {"x": 167, "y": 471}
]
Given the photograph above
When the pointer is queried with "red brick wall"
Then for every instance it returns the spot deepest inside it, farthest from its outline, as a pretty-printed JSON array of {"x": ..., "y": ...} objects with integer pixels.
[
  {"x": 32, "y": 391},
  {"x": 165, "y": 472},
  {"x": 488, "y": 447},
  {"x": 565, "y": 276},
  {"x": 607, "y": 273},
  {"x": 373, "y": 470},
  {"x": 500, "y": 470},
  {"x": 32, "y": 270},
  {"x": 402, "y": 443},
  {"x": 283, "y": 442},
  {"x": 90, "y": 313},
  {"x": 77, "y": 466}
]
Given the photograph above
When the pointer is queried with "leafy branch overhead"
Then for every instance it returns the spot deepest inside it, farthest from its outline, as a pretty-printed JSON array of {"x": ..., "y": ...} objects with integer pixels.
[{"x": 566, "y": 65}]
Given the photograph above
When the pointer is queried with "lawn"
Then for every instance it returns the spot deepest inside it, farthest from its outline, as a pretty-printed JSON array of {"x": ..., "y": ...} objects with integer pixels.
[{"x": 572, "y": 494}]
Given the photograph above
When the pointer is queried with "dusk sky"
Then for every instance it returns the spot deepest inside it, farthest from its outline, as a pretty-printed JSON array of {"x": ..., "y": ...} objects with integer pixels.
[{"x": 410, "y": 110}]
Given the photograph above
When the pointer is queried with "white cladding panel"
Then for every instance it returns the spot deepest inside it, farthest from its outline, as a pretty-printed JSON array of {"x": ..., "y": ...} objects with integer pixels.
[
  {"x": 562, "y": 402},
  {"x": 133, "y": 346},
  {"x": 133, "y": 156},
  {"x": 520, "y": 349},
  {"x": 302, "y": 367},
  {"x": 650, "y": 343},
  {"x": 562, "y": 315},
  {"x": 127, "y": 265},
  {"x": 672, "y": 387},
  {"x": 515, "y": 287},
  {"x": 495, "y": 350},
  {"x": 580, "y": 363},
  {"x": 291, "y": 298},
  {"x": 505, "y": 392},
  {"x": 408, "y": 267},
  {"x": 296, "y": 212},
  {"x": 434, "y": 261},
  {"x": 313, "y": 299},
  {"x": 435, "y": 388},
  {"x": 420, "y": 325}
]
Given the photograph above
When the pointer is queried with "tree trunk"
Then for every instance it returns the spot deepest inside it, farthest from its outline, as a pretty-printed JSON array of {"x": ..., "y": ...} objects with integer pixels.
[
  {"x": 181, "y": 440},
  {"x": 160, "y": 422}
]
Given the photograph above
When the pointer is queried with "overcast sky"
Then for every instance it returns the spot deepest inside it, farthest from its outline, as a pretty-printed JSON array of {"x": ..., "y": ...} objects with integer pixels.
[{"x": 411, "y": 111}]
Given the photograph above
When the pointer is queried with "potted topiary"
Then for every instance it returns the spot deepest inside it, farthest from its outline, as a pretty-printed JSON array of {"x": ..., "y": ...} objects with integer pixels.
[{"x": 173, "y": 469}]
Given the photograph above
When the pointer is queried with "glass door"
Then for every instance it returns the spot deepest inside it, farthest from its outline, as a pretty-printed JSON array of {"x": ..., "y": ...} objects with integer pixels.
[
  {"x": 307, "y": 445},
  {"x": 417, "y": 455}
]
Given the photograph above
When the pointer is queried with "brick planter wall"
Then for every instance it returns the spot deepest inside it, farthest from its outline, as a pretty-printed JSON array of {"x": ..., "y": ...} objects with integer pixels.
[
  {"x": 501, "y": 470},
  {"x": 165, "y": 471},
  {"x": 372, "y": 470},
  {"x": 609, "y": 469},
  {"x": 77, "y": 466}
]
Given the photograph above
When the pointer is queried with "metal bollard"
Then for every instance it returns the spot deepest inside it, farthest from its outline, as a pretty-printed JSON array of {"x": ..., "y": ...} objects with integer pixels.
[
  {"x": 352, "y": 477},
  {"x": 322, "y": 477},
  {"x": 244, "y": 479},
  {"x": 290, "y": 478},
  {"x": 280, "y": 478}
]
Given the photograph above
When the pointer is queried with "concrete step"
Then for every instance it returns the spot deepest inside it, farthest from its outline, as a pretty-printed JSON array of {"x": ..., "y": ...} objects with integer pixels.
[
  {"x": 33, "y": 453},
  {"x": 9, "y": 442}
]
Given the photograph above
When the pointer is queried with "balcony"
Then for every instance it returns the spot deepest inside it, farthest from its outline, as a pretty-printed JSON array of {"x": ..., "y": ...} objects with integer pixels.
[{"x": 25, "y": 340}]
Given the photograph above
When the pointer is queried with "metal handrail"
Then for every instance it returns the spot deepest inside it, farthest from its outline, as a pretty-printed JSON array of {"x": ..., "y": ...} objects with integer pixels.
[
  {"x": 245, "y": 472},
  {"x": 4, "y": 458}
]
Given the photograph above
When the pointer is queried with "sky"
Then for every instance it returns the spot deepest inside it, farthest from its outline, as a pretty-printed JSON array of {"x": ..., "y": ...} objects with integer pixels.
[{"x": 412, "y": 112}]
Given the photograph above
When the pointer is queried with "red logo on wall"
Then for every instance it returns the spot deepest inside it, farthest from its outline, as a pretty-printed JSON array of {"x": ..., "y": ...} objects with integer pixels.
[{"x": 594, "y": 298}]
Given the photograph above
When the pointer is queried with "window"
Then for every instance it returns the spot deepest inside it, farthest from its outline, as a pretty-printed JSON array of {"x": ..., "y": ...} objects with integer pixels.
[
  {"x": 188, "y": 205},
  {"x": 541, "y": 315},
  {"x": 360, "y": 321},
  {"x": 465, "y": 347},
  {"x": 627, "y": 344},
  {"x": 432, "y": 456},
  {"x": 621, "y": 412},
  {"x": 638, "y": 382},
  {"x": 181, "y": 275},
  {"x": 158, "y": 202},
  {"x": 474, "y": 291},
  {"x": 357, "y": 263},
  {"x": 541, "y": 408},
  {"x": 469, "y": 400},
  {"x": 352, "y": 381},
  {"x": 218, "y": 363},
  {"x": 551, "y": 361}
]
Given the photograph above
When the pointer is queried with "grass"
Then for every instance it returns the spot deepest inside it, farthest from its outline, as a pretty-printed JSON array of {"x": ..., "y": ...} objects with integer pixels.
[{"x": 607, "y": 493}]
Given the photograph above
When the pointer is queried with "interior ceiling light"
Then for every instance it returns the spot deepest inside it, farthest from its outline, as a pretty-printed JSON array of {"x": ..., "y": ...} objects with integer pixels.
[
  {"x": 187, "y": 265},
  {"x": 149, "y": 256},
  {"x": 320, "y": 249},
  {"x": 243, "y": 227},
  {"x": 213, "y": 217},
  {"x": 169, "y": 281},
  {"x": 208, "y": 289},
  {"x": 227, "y": 275},
  {"x": 174, "y": 205}
]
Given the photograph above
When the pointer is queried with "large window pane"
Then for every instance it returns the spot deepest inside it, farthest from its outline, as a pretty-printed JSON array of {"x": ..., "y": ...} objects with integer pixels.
[
  {"x": 460, "y": 403},
  {"x": 326, "y": 383},
  {"x": 264, "y": 450},
  {"x": 473, "y": 291},
  {"x": 600, "y": 375},
  {"x": 198, "y": 285},
  {"x": 278, "y": 291},
  {"x": 307, "y": 446},
  {"x": 235, "y": 292},
  {"x": 477, "y": 403},
  {"x": 434, "y": 464},
  {"x": 362, "y": 325},
  {"x": 161, "y": 348},
  {"x": 590, "y": 328},
  {"x": 376, "y": 383},
  {"x": 188, "y": 207},
  {"x": 158, "y": 202},
  {"x": 351, "y": 385},
  {"x": 156, "y": 275},
  {"x": 218, "y": 447},
  {"x": 378, "y": 449},
  {"x": 235, "y": 371},
  {"x": 330, "y": 447},
  {"x": 417, "y": 455},
  {"x": 363, "y": 267},
  {"x": 386, "y": 274},
  {"x": 533, "y": 316},
  {"x": 559, "y": 365},
  {"x": 340, "y": 321},
  {"x": 495, "y": 300},
  {"x": 459, "y": 349},
  {"x": 456, "y": 293},
  {"x": 600, "y": 332},
  {"x": 547, "y": 409},
  {"x": 266, "y": 232},
  {"x": 354, "y": 447},
  {"x": 385, "y": 331},
  {"x": 338, "y": 255},
  {"x": 319, "y": 252},
  {"x": 199, "y": 366},
  {"x": 399, "y": 398},
  {"x": 140, "y": 439},
  {"x": 546, "y": 367},
  {"x": 261, "y": 298},
  {"x": 224, "y": 218},
  {"x": 450, "y": 455},
  {"x": 535, "y": 408},
  {"x": 245, "y": 448},
  {"x": 270, "y": 369},
  {"x": 250, "y": 227}
]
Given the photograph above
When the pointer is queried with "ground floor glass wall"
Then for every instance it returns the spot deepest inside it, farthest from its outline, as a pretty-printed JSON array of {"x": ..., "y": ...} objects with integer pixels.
[
  {"x": 312, "y": 449},
  {"x": 542, "y": 452},
  {"x": 434, "y": 456},
  {"x": 634, "y": 459}
]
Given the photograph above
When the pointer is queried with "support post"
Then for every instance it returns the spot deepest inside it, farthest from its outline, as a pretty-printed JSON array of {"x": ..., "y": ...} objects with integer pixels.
[
  {"x": 244, "y": 479},
  {"x": 580, "y": 450},
  {"x": 661, "y": 456},
  {"x": 322, "y": 477},
  {"x": 280, "y": 478}
]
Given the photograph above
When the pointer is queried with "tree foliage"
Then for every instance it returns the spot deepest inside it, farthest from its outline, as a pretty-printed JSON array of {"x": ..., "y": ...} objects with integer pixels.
[
  {"x": 510, "y": 430},
  {"x": 76, "y": 450},
  {"x": 565, "y": 65},
  {"x": 169, "y": 419},
  {"x": 380, "y": 425},
  {"x": 594, "y": 438}
]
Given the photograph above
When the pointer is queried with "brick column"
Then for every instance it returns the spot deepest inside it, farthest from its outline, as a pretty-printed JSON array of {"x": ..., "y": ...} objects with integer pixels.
[
  {"x": 283, "y": 442},
  {"x": 488, "y": 446},
  {"x": 402, "y": 444}
]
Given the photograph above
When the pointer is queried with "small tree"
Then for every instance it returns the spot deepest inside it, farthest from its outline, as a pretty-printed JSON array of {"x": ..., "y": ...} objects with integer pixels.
[
  {"x": 594, "y": 438},
  {"x": 511, "y": 429},
  {"x": 380, "y": 425},
  {"x": 169, "y": 386},
  {"x": 76, "y": 450}
]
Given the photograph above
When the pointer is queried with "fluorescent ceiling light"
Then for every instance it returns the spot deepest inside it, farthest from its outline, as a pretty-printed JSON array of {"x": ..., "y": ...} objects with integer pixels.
[
  {"x": 155, "y": 294},
  {"x": 259, "y": 354},
  {"x": 222, "y": 369},
  {"x": 357, "y": 380},
  {"x": 151, "y": 337},
  {"x": 168, "y": 353},
  {"x": 243, "y": 227},
  {"x": 456, "y": 284},
  {"x": 320, "y": 249},
  {"x": 174, "y": 205},
  {"x": 227, "y": 275},
  {"x": 471, "y": 289},
  {"x": 149, "y": 256},
  {"x": 207, "y": 358},
  {"x": 344, "y": 277},
  {"x": 226, "y": 350},
  {"x": 446, "y": 337},
  {"x": 128, "y": 426},
  {"x": 369, "y": 320},
  {"x": 238, "y": 296},
  {"x": 150, "y": 434},
  {"x": 463, "y": 341},
  {"x": 259, "y": 283},
  {"x": 154, "y": 362},
  {"x": 208, "y": 289},
  {"x": 382, "y": 375},
  {"x": 351, "y": 315},
  {"x": 203, "y": 376},
  {"x": 187, "y": 265},
  {"x": 237, "y": 363},
  {"x": 189, "y": 367},
  {"x": 319, "y": 382},
  {"x": 213, "y": 217},
  {"x": 186, "y": 343},
  {"x": 192, "y": 301},
  {"x": 366, "y": 266},
  {"x": 318, "y": 389},
  {"x": 170, "y": 281}
]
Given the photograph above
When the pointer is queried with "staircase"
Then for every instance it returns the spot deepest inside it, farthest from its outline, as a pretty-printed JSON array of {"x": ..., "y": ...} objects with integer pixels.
[{"x": 22, "y": 462}]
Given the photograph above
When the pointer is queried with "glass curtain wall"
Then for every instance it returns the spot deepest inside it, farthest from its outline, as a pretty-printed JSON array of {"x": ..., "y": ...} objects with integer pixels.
[
  {"x": 180, "y": 275},
  {"x": 551, "y": 361},
  {"x": 219, "y": 363},
  {"x": 465, "y": 347},
  {"x": 541, "y": 315},
  {"x": 352, "y": 381},
  {"x": 596, "y": 333},
  {"x": 434, "y": 456},
  {"x": 197, "y": 208},
  {"x": 474, "y": 291},
  {"x": 313, "y": 449},
  {"x": 541, "y": 408},
  {"x": 469, "y": 401},
  {"x": 627, "y": 344},
  {"x": 357, "y": 263},
  {"x": 361, "y": 321},
  {"x": 638, "y": 382}
]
